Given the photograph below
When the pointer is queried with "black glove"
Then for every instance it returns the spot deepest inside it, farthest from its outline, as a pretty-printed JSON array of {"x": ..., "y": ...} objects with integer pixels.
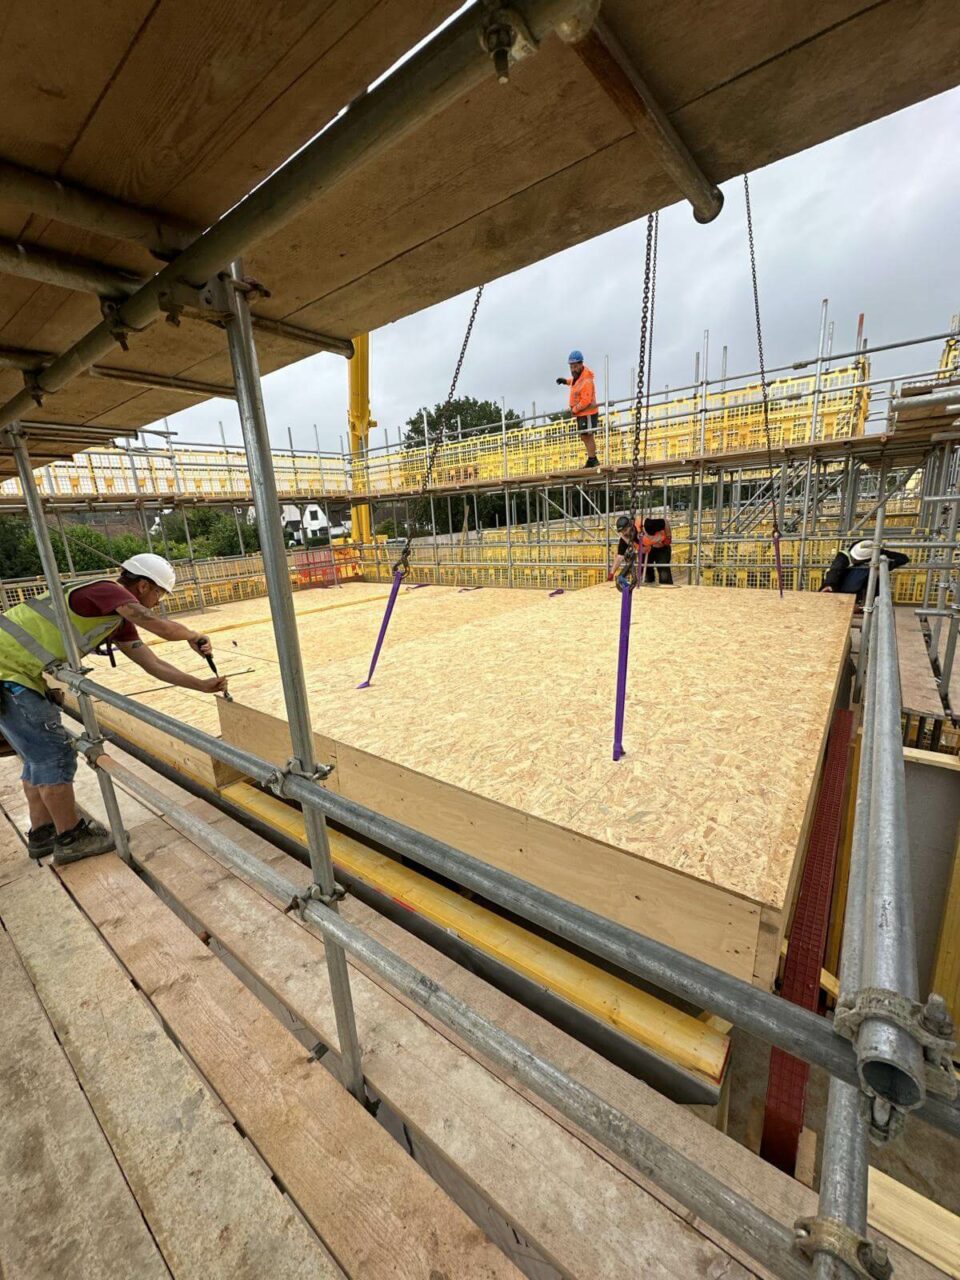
[{"x": 561, "y": 382}]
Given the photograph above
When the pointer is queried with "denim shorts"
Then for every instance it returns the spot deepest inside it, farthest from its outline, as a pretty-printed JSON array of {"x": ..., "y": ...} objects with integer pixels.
[{"x": 32, "y": 726}]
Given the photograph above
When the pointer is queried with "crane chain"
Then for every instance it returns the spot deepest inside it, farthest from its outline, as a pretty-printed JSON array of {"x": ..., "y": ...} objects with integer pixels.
[
  {"x": 641, "y": 371},
  {"x": 403, "y": 563},
  {"x": 775, "y": 534},
  {"x": 763, "y": 372},
  {"x": 627, "y": 577}
]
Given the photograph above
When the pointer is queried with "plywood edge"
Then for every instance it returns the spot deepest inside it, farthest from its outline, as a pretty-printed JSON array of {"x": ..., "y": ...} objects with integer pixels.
[
  {"x": 931, "y": 759},
  {"x": 920, "y": 1225},
  {"x": 195, "y": 764},
  {"x": 713, "y": 924}
]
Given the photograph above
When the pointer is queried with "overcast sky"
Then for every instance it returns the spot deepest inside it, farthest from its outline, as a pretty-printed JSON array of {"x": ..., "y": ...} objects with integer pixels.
[{"x": 868, "y": 220}]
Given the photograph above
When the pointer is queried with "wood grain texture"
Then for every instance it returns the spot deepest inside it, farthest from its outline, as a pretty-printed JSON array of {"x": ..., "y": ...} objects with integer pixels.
[
  {"x": 209, "y": 1203},
  {"x": 946, "y": 965},
  {"x": 918, "y": 688},
  {"x": 50, "y": 1147},
  {"x": 778, "y": 1194},
  {"x": 379, "y": 1214},
  {"x": 917, "y": 1223},
  {"x": 467, "y": 735},
  {"x": 579, "y": 1213}
]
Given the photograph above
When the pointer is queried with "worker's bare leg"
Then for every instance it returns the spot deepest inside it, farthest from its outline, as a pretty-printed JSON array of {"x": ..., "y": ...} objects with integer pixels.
[
  {"x": 55, "y": 803},
  {"x": 589, "y": 443}
]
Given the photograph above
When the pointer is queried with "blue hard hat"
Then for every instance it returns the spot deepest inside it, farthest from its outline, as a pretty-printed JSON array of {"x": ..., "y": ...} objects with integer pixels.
[{"x": 575, "y": 357}]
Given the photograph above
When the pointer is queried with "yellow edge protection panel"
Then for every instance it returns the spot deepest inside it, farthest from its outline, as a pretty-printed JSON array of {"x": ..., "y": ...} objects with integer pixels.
[{"x": 673, "y": 1034}]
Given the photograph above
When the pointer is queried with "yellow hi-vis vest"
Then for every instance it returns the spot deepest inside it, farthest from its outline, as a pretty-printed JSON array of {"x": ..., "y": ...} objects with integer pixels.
[{"x": 30, "y": 639}]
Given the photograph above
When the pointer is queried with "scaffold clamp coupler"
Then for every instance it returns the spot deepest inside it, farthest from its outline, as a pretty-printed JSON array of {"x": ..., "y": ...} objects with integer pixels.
[
  {"x": 866, "y": 1259},
  {"x": 313, "y": 893},
  {"x": 31, "y": 380},
  {"x": 930, "y": 1025},
  {"x": 120, "y": 331},
  {"x": 277, "y": 782}
]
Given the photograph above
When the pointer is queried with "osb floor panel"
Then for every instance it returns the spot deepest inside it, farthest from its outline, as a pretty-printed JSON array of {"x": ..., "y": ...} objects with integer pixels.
[
  {"x": 330, "y": 623},
  {"x": 728, "y": 702}
]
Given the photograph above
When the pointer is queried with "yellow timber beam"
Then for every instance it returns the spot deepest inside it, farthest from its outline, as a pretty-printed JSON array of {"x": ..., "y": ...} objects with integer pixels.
[
  {"x": 675, "y": 1035},
  {"x": 360, "y": 422}
]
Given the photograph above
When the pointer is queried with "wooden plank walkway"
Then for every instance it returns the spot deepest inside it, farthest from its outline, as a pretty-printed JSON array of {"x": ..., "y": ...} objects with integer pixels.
[
  {"x": 378, "y": 1212},
  {"x": 918, "y": 687},
  {"x": 578, "y": 1186},
  {"x": 210, "y": 1204},
  {"x": 579, "y": 1212},
  {"x": 65, "y": 1209}
]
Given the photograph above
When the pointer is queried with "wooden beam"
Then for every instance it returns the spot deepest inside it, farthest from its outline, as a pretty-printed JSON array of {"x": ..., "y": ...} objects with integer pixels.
[
  {"x": 573, "y": 1208},
  {"x": 633, "y": 1012},
  {"x": 946, "y": 965},
  {"x": 52, "y": 1148},
  {"x": 919, "y": 1224},
  {"x": 209, "y": 1203},
  {"x": 378, "y": 1212}
]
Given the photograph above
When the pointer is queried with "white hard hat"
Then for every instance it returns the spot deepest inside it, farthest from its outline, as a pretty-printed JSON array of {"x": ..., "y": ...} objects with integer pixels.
[
  {"x": 862, "y": 550},
  {"x": 158, "y": 570}
]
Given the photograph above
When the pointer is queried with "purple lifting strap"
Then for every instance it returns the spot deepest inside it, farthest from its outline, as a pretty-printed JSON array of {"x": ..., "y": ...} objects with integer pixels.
[
  {"x": 397, "y": 579},
  {"x": 626, "y": 602},
  {"x": 776, "y": 556}
]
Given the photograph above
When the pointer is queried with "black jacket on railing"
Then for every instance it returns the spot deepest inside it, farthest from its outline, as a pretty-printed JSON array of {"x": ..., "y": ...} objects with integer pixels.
[{"x": 850, "y": 577}]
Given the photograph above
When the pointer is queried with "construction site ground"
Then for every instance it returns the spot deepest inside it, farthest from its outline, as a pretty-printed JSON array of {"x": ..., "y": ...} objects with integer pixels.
[{"x": 166, "y": 1105}]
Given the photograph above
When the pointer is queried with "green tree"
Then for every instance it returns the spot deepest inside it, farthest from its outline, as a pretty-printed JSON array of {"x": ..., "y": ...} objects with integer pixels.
[
  {"x": 466, "y": 414},
  {"x": 470, "y": 417}
]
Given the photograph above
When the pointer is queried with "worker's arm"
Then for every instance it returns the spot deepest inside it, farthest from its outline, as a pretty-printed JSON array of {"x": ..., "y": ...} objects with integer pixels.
[
  {"x": 836, "y": 573},
  {"x": 164, "y": 627},
  {"x": 895, "y": 559},
  {"x": 138, "y": 652}
]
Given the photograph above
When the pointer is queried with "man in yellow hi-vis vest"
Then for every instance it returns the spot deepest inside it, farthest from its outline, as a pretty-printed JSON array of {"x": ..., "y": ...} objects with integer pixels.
[{"x": 31, "y": 643}]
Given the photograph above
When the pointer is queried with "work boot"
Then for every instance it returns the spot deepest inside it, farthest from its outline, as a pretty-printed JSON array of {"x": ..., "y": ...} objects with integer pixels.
[
  {"x": 593, "y": 462},
  {"x": 41, "y": 840},
  {"x": 85, "y": 840}
]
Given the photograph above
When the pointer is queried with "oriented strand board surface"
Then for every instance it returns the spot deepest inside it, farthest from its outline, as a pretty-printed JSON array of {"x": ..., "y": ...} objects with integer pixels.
[
  {"x": 729, "y": 696},
  {"x": 331, "y": 623}
]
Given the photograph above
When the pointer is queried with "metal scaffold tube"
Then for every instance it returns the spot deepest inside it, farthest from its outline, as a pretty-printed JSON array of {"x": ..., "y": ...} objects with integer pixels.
[
  {"x": 51, "y": 571},
  {"x": 844, "y": 1165},
  {"x": 794, "y": 1029},
  {"x": 737, "y": 1219},
  {"x": 890, "y": 1059},
  {"x": 256, "y": 439}
]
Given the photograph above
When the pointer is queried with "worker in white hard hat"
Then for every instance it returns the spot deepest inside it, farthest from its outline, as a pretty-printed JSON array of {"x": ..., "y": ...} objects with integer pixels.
[
  {"x": 849, "y": 571},
  {"x": 31, "y": 643}
]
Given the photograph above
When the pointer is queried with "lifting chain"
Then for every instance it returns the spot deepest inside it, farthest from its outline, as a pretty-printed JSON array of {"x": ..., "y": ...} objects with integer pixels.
[
  {"x": 627, "y": 577},
  {"x": 403, "y": 563},
  {"x": 763, "y": 382}
]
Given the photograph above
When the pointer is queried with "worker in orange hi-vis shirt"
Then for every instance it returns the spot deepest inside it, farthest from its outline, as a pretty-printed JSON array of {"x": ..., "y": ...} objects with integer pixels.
[{"x": 583, "y": 403}]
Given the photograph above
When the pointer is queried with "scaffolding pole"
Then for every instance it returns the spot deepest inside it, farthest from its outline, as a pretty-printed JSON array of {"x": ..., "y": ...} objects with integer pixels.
[
  {"x": 771, "y": 1019},
  {"x": 256, "y": 438},
  {"x": 55, "y": 587}
]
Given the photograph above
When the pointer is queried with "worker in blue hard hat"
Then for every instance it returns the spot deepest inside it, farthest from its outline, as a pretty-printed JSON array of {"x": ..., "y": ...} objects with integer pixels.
[
  {"x": 583, "y": 403},
  {"x": 31, "y": 644}
]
